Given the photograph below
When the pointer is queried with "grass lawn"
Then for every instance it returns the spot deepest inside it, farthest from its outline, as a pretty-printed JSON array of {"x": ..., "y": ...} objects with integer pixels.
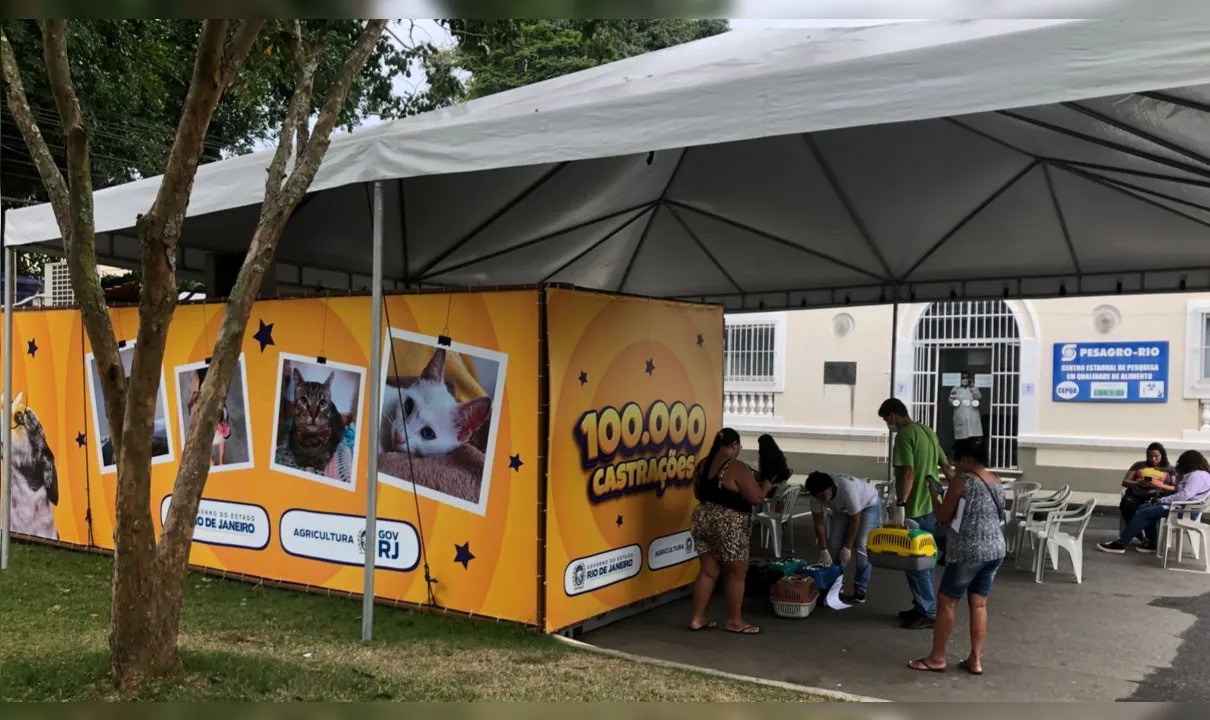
[{"x": 241, "y": 642}]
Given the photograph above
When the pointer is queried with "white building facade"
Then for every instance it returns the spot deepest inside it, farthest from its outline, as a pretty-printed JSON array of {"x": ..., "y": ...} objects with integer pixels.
[{"x": 1073, "y": 390}]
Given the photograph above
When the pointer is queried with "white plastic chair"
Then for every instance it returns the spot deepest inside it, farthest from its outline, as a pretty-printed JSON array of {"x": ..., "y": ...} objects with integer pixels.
[
  {"x": 773, "y": 522},
  {"x": 1015, "y": 493},
  {"x": 1051, "y": 539},
  {"x": 1027, "y": 520},
  {"x": 1185, "y": 518},
  {"x": 1015, "y": 516}
]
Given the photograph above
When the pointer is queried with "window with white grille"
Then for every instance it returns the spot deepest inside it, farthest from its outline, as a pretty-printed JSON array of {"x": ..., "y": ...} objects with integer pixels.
[
  {"x": 1197, "y": 344},
  {"x": 56, "y": 286},
  {"x": 754, "y": 351}
]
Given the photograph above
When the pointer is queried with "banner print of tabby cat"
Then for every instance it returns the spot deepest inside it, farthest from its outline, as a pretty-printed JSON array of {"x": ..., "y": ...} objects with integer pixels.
[{"x": 317, "y": 421}]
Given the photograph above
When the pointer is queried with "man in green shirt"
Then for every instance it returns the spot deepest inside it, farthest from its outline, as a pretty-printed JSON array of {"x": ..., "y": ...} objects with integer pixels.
[{"x": 918, "y": 460}]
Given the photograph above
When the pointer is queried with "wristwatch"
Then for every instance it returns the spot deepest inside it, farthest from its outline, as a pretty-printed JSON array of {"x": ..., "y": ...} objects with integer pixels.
[{"x": 901, "y": 504}]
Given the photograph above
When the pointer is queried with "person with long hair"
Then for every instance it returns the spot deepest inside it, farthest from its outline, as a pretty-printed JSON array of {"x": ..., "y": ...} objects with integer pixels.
[
  {"x": 973, "y": 506},
  {"x": 772, "y": 465},
  {"x": 1147, "y": 479},
  {"x": 1193, "y": 483},
  {"x": 722, "y": 530}
]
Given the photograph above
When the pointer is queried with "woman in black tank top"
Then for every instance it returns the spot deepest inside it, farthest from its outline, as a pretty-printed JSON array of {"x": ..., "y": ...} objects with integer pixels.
[{"x": 722, "y": 530}]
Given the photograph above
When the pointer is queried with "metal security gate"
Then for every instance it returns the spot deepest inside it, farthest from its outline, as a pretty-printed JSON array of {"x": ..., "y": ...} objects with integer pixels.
[{"x": 971, "y": 325}]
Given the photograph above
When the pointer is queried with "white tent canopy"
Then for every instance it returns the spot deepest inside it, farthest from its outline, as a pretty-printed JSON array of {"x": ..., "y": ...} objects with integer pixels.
[{"x": 771, "y": 168}]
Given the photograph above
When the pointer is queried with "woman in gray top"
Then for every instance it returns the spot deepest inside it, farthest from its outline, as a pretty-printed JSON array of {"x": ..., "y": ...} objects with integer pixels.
[{"x": 973, "y": 507}]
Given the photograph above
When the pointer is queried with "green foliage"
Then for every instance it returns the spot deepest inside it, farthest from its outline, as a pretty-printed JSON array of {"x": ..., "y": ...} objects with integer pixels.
[
  {"x": 505, "y": 54},
  {"x": 132, "y": 77},
  {"x": 613, "y": 9}
]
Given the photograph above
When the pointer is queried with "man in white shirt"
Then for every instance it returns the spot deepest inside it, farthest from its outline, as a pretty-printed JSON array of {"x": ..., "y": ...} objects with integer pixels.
[{"x": 856, "y": 511}]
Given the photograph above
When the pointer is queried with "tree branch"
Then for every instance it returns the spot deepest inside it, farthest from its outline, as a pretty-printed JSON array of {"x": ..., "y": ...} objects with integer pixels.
[
  {"x": 297, "y": 113},
  {"x": 79, "y": 238},
  {"x": 237, "y": 50},
  {"x": 18, "y": 105},
  {"x": 308, "y": 164},
  {"x": 164, "y": 221},
  {"x": 280, "y": 201}
]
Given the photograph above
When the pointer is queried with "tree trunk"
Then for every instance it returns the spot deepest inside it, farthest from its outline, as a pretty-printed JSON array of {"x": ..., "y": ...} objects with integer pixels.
[{"x": 149, "y": 577}]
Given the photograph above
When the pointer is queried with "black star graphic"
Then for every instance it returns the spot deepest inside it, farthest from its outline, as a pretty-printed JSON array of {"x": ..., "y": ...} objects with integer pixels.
[
  {"x": 33, "y": 348},
  {"x": 514, "y": 462},
  {"x": 264, "y": 334},
  {"x": 619, "y": 521},
  {"x": 650, "y": 367},
  {"x": 583, "y": 378},
  {"x": 80, "y": 439},
  {"x": 700, "y": 340},
  {"x": 462, "y": 554}
]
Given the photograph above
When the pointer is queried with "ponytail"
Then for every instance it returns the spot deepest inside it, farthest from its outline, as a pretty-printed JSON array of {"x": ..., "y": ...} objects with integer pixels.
[{"x": 726, "y": 436}]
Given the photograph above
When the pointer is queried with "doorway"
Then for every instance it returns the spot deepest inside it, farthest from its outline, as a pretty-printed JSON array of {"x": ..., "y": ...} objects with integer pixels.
[
  {"x": 953, "y": 362},
  {"x": 983, "y": 338}
]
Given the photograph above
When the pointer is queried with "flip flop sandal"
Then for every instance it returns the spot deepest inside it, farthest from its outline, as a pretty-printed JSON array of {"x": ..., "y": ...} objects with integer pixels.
[
  {"x": 746, "y": 630},
  {"x": 967, "y": 667},
  {"x": 707, "y": 626},
  {"x": 922, "y": 666}
]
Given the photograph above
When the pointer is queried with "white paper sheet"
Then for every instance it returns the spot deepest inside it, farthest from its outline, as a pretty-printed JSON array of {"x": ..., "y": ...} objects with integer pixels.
[{"x": 833, "y": 598}]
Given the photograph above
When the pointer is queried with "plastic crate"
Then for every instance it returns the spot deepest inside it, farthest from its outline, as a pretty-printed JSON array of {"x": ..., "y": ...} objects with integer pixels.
[
  {"x": 794, "y": 611},
  {"x": 897, "y": 548}
]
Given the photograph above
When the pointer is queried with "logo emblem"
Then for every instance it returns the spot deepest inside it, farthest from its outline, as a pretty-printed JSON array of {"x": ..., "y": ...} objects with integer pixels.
[
  {"x": 361, "y": 542},
  {"x": 577, "y": 576},
  {"x": 1068, "y": 352},
  {"x": 689, "y": 546},
  {"x": 1067, "y": 390}
]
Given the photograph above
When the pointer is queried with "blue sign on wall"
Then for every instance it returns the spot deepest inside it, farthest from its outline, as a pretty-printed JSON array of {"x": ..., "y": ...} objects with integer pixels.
[{"x": 1124, "y": 372}]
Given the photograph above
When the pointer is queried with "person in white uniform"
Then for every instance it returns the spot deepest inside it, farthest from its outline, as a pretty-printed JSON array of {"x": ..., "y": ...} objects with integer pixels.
[{"x": 965, "y": 399}]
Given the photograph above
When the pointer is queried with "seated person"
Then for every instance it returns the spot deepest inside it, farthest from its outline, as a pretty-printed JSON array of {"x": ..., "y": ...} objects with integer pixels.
[
  {"x": 856, "y": 511},
  {"x": 772, "y": 465},
  {"x": 1147, "y": 479},
  {"x": 1193, "y": 484}
]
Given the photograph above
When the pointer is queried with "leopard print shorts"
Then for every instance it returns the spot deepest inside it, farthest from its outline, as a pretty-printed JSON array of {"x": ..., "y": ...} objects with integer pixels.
[{"x": 722, "y": 532}]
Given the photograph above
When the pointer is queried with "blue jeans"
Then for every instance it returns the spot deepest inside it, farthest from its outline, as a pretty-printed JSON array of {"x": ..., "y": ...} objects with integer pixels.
[
  {"x": 870, "y": 519},
  {"x": 974, "y": 578},
  {"x": 924, "y": 595},
  {"x": 1146, "y": 522}
]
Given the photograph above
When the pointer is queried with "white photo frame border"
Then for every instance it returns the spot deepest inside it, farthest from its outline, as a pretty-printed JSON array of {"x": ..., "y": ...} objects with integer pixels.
[
  {"x": 351, "y": 486},
  {"x": 501, "y": 360},
  {"x": 180, "y": 412},
  {"x": 91, "y": 372}
]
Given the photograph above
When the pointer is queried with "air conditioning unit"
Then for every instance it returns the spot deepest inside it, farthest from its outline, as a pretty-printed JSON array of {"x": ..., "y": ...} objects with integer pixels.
[{"x": 56, "y": 287}]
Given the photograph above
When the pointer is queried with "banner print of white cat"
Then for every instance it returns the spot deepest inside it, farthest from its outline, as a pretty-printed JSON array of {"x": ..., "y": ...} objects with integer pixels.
[
  {"x": 35, "y": 479},
  {"x": 424, "y": 419},
  {"x": 440, "y": 412}
]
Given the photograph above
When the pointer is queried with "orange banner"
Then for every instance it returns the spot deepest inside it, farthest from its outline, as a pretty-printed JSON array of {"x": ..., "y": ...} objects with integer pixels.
[
  {"x": 49, "y": 476},
  {"x": 285, "y": 499},
  {"x": 636, "y": 390}
]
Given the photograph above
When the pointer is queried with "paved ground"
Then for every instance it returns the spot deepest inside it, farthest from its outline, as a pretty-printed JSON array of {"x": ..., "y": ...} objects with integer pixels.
[{"x": 1131, "y": 631}]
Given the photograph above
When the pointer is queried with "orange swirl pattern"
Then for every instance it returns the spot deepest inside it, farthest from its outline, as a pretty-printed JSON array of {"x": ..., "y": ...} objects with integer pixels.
[
  {"x": 485, "y": 563},
  {"x": 48, "y": 367},
  {"x": 607, "y": 352}
]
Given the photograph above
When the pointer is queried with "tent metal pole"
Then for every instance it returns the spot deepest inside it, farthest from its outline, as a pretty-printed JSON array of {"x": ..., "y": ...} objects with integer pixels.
[
  {"x": 890, "y": 439},
  {"x": 10, "y": 296},
  {"x": 371, "y": 549}
]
